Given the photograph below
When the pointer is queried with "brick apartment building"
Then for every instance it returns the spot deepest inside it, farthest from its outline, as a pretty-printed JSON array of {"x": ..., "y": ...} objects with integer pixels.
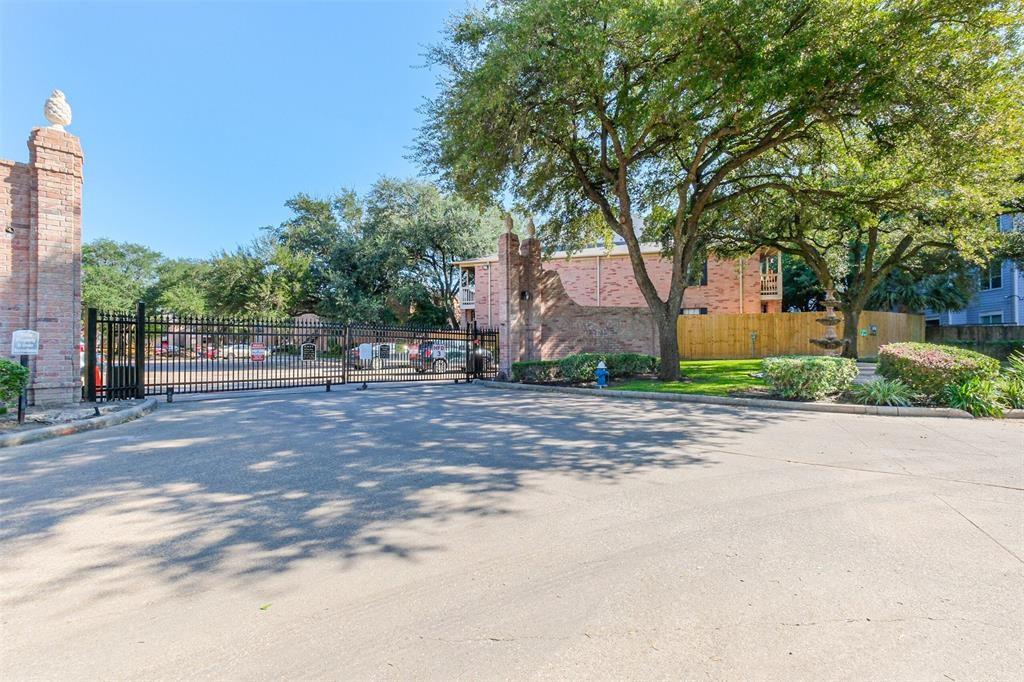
[
  {"x": 602, "y": 277},
  {"x": 588, "y": 301}
]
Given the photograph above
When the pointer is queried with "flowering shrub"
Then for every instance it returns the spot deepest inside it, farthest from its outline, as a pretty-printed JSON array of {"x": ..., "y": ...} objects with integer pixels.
[
  {"x": 808, "y": 377},
  {"x": 929, "y": 368}
]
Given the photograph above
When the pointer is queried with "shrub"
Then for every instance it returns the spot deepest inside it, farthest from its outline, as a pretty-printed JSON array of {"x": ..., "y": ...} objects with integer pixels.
[
  {"x": 631, "y": 364},
  {"x": 1015, "y": 365},
  {"x": 13, "y": 378},
  {"x": 928, "y": 368},
  {"x": 808, "y": 377},
  {"x": 1011, "y": 391},
  {"x": 579, "y": 368},
  {"x": 891, "y": 392},
  {"x": 978, "y": 396},
  {"x": 999, "y": 349},
  {"x": 536, "y": 371}
]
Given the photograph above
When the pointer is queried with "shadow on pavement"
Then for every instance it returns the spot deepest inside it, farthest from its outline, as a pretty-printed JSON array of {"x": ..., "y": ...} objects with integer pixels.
[{"x": 266, "y": 482}]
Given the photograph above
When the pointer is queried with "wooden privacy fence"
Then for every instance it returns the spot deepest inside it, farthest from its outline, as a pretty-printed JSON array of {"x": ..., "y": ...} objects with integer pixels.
[{"x": 706, "y": 337}]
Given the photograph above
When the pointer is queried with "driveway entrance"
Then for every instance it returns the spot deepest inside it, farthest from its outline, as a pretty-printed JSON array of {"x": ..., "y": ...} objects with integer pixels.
[{"x": 433, "y": 532}]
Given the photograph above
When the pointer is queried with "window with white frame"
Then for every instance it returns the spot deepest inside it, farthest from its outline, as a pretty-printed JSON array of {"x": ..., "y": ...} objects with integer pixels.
[
  {"x": 991, "y": 318},
  {"x": 693, "y": 311},
  {"x": 992, "y": 276}
]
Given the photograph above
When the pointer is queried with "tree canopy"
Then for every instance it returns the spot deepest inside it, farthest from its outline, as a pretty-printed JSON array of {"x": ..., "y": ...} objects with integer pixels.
[
  {"x": 116, "y": 275},
  {"x": 388, "y": 256},
  {"x": 646, "y": 119}
]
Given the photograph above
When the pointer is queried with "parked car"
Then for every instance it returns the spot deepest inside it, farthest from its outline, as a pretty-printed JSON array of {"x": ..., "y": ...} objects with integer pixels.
[
  {"x": 235, "y": 350},
  {"x": 171, "y": 351},
  {"x": 446, "y": 355},
  {"x": 378, "y": 355}
]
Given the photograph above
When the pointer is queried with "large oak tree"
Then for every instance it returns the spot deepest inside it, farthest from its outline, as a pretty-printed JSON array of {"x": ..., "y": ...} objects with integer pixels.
[{"x": 645, "y": 114}]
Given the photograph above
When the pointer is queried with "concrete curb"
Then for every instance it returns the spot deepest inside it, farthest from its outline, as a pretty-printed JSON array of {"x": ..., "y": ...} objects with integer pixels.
[
  {"x": 46, "y": 432},
  {"x": 1014, "y": 414},
  {"x": 744, "y": 402}
]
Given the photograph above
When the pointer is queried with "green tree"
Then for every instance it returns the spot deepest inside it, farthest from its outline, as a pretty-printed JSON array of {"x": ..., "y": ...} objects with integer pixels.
[
  {"x": 905, "y": 291},
  {"x": 182, "y": 287},
  {"x": 260, "y": 279},
  {"x": 643, "y": 119},
  {"x": 920, "y": 197},
  {"x": 801, "y": 289},
  {"x": 343, "y": 275},
  {"x": 116, "y": 275},
  {"x": 426, "y": 233}
]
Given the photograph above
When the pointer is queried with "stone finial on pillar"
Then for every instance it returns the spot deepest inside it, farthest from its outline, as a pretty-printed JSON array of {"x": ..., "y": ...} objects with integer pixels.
[
  {"x": 57, "y": 110},
  {"x": 508, "y": 222},
  {"x": 531, "y": 229}
]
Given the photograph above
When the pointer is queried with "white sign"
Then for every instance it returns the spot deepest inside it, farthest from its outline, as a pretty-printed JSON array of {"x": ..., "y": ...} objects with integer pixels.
[
  {"x": 25, "y": 342},
  {"x": 258, "y": 352},
  {"x": 365, "y": 351}
]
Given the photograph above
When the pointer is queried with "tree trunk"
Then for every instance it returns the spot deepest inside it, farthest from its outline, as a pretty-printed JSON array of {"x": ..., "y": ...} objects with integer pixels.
[
  {"x": 668, "y": 343},
  {"x": 851, "y": 330}
]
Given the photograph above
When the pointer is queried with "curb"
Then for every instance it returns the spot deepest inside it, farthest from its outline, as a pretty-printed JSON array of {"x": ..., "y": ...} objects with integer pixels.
[
  {"x": 879, "y": 410},
  {"x": 57, "y": 430}
]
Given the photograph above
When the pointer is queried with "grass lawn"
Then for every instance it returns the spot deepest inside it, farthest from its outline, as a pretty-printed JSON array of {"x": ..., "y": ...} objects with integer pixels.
[{"x": 706, "y": 377}]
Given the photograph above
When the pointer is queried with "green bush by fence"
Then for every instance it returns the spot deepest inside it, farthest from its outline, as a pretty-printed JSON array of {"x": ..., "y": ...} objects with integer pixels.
[
  {"x": 929, "y": 368},
  {"x": 579, "y": 368},
  {"x": 1000, "y": 350},
  {"x": 13, "y": 378},
  {"x": 808, "y": 377}
]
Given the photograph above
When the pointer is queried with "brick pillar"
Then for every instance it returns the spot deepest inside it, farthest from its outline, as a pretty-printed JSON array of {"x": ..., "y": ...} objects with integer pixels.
[
  {"x": 507, "y": 273},
  {"x": 530, "y": 303},
  {"x": 54, "y": 296}
]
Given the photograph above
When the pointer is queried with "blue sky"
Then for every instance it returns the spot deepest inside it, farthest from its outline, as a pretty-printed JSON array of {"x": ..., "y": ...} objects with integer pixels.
[{"x": 199, "y": 120}]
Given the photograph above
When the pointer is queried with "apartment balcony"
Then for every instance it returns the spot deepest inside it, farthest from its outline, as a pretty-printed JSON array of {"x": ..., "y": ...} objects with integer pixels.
[
  {"x": 467, "y": 298},
  {"x": 771, "y": 286}
]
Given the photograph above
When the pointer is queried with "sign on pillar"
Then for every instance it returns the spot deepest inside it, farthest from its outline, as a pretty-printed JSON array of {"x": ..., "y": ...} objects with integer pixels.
[{"x": 25, "y": 342}]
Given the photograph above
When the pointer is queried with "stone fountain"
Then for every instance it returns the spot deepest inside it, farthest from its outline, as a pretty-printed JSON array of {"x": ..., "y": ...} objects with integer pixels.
[{"x": 831, "y": 341}]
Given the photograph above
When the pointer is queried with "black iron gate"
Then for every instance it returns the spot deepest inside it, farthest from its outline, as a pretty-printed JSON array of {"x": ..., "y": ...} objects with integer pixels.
[{"x": 139, "y": 354}]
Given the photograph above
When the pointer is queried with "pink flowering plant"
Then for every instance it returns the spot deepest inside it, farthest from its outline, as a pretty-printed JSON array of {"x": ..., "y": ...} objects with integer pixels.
[{"x": 928, "y": 368}]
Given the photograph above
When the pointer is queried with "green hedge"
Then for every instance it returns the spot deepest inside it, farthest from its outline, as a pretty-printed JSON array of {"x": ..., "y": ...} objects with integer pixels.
[
  {"x": 579, "y": 368},
  {"x": 929, "y": 368},
  {"x": 13, "y": 378},
  {"x": 536, "y": 371},
  {"x": 808, "y": 377},
  {"x": 1000, "y": 350}
]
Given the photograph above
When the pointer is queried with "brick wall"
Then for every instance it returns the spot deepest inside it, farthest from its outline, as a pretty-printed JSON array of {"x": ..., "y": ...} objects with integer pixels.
[
  {"x": 541, "y": 320},
  {"x": 40, "y": 260},
  {"x": 618, "y": 286},
  {"x": 733, "y": 286}
]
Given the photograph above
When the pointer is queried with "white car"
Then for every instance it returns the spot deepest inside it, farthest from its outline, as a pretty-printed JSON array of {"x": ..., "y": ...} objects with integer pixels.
[{"x": 235, "y": 350}]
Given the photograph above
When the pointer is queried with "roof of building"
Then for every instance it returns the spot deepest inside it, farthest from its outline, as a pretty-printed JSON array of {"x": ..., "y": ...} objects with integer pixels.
[{"x": 615, "y": 250}]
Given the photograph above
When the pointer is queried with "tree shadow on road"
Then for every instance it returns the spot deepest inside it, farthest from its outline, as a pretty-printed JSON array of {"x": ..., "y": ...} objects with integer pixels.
[{"x": 252, "y": 486}]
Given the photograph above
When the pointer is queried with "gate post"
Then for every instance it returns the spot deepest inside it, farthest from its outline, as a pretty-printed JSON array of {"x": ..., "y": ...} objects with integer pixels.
[
  {"x": 90, "y": 355},
  {"x": 476, "y": 346},
  {"x": 140, "y": 350},
  {"x": 470, "y": 357},
  {"x": 344, "y": 353}
]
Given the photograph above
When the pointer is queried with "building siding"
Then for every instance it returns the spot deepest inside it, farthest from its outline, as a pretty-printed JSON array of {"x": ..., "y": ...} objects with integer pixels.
[{"x": 1005, "y": 300}]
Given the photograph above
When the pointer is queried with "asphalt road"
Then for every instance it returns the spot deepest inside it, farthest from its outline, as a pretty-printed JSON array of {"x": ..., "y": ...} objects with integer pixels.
[{"x": 441, "y": 531}]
